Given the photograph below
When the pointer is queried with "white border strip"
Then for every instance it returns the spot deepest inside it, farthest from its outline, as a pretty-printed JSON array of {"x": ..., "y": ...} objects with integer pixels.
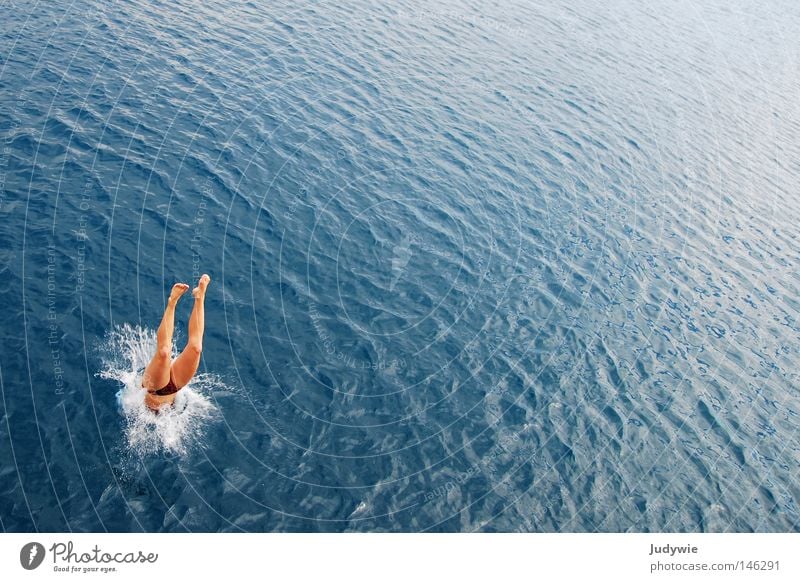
[{"x": 404, "y": 557}]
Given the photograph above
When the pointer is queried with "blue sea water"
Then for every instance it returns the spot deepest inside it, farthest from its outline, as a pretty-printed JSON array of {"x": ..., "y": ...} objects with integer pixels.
[{"x": 504, "y": 266}]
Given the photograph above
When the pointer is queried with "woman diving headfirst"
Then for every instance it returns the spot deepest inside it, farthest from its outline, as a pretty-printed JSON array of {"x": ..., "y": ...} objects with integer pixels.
[{"x": 163, "y": 377}]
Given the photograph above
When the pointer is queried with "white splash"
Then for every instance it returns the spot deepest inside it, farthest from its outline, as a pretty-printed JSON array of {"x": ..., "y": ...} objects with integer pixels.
[{"x": 126, "y": 352}]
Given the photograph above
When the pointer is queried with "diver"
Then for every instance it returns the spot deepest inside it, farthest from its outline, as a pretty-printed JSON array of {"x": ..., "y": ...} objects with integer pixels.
[{"x": 163, "y": 376}]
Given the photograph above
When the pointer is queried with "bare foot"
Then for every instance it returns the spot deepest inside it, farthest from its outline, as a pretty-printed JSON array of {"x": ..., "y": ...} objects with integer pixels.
[
  {"x": 178, "y": 289},
  {"x": 199, "y": 292}
]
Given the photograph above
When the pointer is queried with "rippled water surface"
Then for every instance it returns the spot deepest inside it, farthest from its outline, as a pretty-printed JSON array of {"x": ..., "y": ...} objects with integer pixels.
[{"x": 497, "y": 267}]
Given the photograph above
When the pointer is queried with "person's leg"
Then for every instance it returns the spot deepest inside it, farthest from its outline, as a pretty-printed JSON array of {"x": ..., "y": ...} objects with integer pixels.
[
  {"x": 186, "y": 364},
  {"x": 156, "y": 374}
]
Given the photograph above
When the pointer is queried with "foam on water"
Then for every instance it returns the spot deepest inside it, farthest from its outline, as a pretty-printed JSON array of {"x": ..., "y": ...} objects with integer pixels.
[{"x": 126, "y": 351}]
